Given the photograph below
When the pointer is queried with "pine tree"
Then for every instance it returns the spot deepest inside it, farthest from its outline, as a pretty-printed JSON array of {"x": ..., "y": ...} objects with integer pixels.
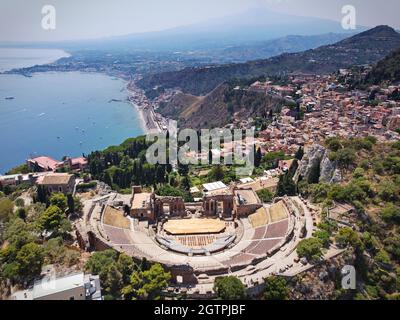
[
  {"x": 299, "y": 154},
  {"x": 257, "y": 158},
  {"x": 313, "y": 177},
  {"x": 286, "y": 186},
  {"x": 107, "y": 178},
  {"x": 71, "y": 203}
]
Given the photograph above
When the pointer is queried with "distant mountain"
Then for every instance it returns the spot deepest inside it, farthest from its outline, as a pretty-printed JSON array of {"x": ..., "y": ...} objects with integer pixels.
[
  {"x": 386, "y": 70},
  {"x": 270, "y": 48},
  {"x": 254, "y": 25},
  {"x": 364, "y": 48}
]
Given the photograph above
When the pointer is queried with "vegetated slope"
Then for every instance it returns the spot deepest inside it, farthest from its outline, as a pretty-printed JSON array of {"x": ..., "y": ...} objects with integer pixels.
[
  {"x": 371, "y": 184},
  {"x": 219, "y": 107},
  {"x": 266, "y": 49},
  {"x": 386, "y": 70},
  {"x": 365, "y": 48}
]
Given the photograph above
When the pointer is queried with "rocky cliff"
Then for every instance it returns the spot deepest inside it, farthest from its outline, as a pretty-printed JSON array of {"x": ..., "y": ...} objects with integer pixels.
[{"x": 316, "y": 165}]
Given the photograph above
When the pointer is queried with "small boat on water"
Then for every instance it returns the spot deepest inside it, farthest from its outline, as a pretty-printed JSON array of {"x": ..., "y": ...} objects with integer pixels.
[
  {"x": 9, "y": 98},
  {"x": 41, "y": 114}
]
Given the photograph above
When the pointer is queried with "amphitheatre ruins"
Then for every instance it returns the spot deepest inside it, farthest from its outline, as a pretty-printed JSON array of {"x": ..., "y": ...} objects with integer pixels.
[{"x": 229, "y": 232}]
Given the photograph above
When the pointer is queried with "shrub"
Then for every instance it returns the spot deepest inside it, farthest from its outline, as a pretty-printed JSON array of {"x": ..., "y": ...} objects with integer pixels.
[
  {"x": 229, "y": 288},
  {"x": 310, "y": 248},
  {"x": 265, "y": 195},
  {"x": 382, "y": 257},
  {"x": 391, "y": 213},
  {"x": 324, "y": 236},
  {"x": 359, "y": 173},
  {"x": 347, "y": 236},
  {"x": 276, "y": 288},
  {"x": 86, "y": 186}
]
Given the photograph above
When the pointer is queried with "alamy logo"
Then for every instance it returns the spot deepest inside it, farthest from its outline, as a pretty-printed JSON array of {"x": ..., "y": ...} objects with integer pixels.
[
  {"x": 349, "y": 20},
  {"x": 189, "y": 146},
  {"x": 349, "y": 278},
  {"x": 49, "y": 17}
]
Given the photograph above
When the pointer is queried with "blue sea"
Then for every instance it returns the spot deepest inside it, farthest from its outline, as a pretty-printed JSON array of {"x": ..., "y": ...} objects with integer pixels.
[{"x": 62, "y": 114}]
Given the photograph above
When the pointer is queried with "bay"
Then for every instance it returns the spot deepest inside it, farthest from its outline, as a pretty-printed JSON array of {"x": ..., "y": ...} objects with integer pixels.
[{"x": 62, "y": 114}]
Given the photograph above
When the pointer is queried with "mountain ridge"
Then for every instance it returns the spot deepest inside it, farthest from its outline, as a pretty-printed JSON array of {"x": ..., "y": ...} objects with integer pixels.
[
  {"x": 367, "y": 47},
  {"x": 386, "y": 70},
  {"x": 256, "y": 24}
]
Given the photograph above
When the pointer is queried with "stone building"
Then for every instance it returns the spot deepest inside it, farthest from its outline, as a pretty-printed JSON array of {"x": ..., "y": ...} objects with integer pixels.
[
  {"x": 57, "y": 182},
  {"x": 223, "y": 203}
]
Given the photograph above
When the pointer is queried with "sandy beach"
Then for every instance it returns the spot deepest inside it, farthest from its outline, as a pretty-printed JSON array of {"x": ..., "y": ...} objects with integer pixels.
[{"x": 148, "y": 118}]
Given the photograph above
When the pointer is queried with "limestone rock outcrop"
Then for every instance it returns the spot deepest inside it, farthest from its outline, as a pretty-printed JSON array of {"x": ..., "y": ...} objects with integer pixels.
[{"x": 317, "y": 157}]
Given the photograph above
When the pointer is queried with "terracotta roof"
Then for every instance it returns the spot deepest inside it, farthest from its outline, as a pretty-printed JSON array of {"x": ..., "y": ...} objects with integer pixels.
[
  {"x": 51, "y": 179},
  {"x": 45, "y": 162},
  {"x": 80, "y": 160}
]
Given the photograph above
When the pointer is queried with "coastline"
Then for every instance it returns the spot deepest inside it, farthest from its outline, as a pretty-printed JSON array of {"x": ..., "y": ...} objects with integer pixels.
[
  {"x": 151, "y": 122},
  {"x": 92, "y": 130},
  {"x": 48, "y": 56}
]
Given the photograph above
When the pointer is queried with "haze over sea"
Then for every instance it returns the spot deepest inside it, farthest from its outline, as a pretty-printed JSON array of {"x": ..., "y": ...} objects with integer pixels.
[{"x": 59, "y": 114}]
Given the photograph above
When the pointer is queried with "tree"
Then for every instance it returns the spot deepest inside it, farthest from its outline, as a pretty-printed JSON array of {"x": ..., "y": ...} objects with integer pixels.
[
  {"x": 147, "y": 284},
  {"x": 59, "y": 200},
  {"x": 333, "y": 144},
  {"x": 345, "y": 157},
  {"x": 107, "y": 178},
  {"x": 299, "y": 154},
  {"x": 71, "y": 203},
  {"x": 257, "y": 158},
  {"x": 169, "y": 191},
  {"x": 56, "y": 252},
  {"x": 271, "y": 159},
  {"x": 29, "y": 261},
  {"x": 185, "y": 183},
  {"x": 114, "y": 270},
  {"x": 391, "y": 213},
  {"x": 112, "y": 281},
  {"x": 324, "y": 236},
  {"x": 388, "y": 191},
  {"x": 42, "y": 194},
  {"x": 18, "y": 233},
  {"x": 286, "y": 186},
  {"x": 99, "y": 261},
  {"x": 359, "y": 173},
  {"x": 347, "y": 236},
  {"x": 265, "y": 195},
  {"x": 21, "y": 213},
  {"x": 310, "y": 248},
  {"x": 216, "y": 173},
  {"x": 314, "y": 175},
  {"x": 19, "y": 202},
  {"x": 382, "y": 257},
  {"x": 126, "y": 266},
  {"x": 276, "y": 288},
  {"x": 392, "y": 245},
  {"x": 53, "y": 219},
  {"x": 183, "y": 169},
  {"x": 6, "y": 208},
  {"x": 229, "y": 288}
]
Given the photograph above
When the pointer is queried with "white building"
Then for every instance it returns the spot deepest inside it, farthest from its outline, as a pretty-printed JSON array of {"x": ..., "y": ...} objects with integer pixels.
[
  {"x": 72, "y": 287},
  {"x": 213, "y": 186}
]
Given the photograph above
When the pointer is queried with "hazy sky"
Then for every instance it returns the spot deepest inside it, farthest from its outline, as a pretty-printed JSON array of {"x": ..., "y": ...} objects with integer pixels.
[{"x": 20, "y": 20}]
